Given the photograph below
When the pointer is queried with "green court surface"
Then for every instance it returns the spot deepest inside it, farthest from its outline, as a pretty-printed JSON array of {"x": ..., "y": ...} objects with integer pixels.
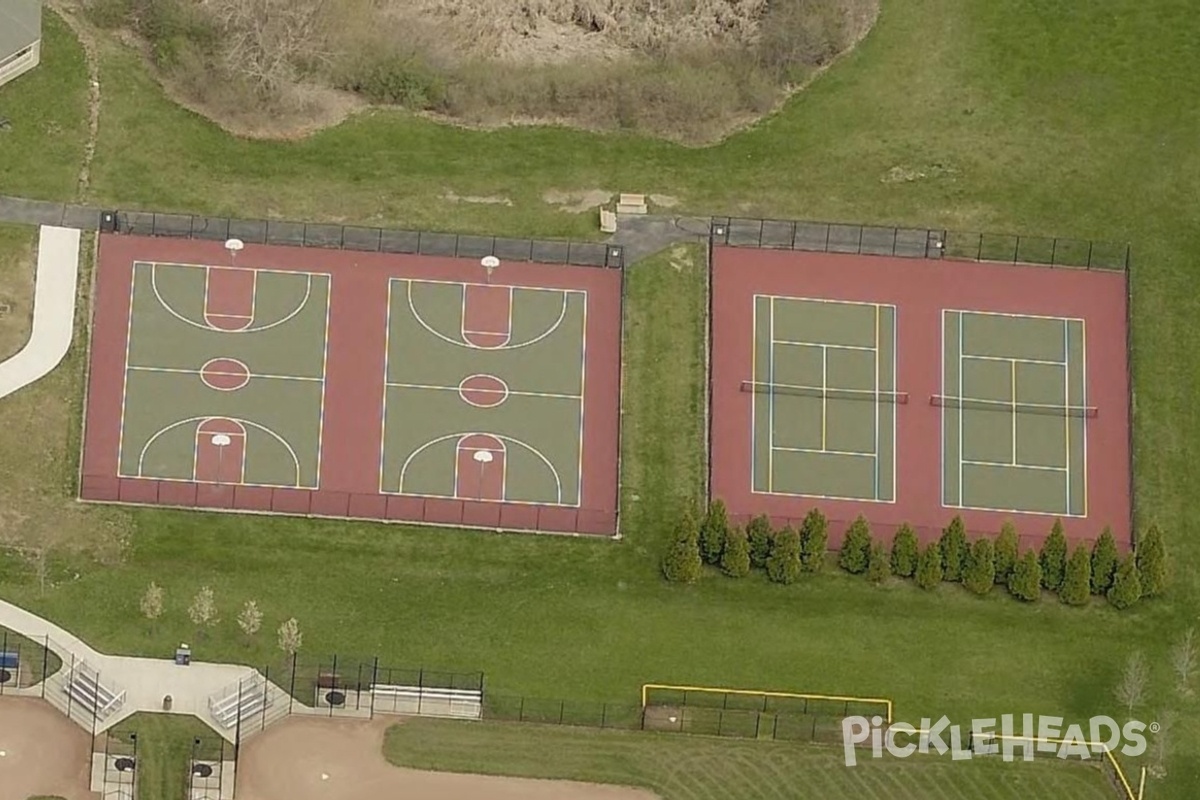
[
  {"x": 1014, "y": 413},
  {"x": 224, "y": 375},
  {"x": 492, "y": 372},
  {"x": 824, "y": 410}
]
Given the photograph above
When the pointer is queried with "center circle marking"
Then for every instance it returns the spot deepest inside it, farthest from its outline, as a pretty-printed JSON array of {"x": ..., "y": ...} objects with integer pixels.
[
  {"x": 225, "y": 374},
  {"x": 483, "y": 391}
]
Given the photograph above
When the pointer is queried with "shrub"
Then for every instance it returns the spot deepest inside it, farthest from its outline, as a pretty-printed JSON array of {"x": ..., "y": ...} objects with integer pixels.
[
  {"x": 1076, "y": 587},
  {"x": 759, "y": 534},
  {"x": 783, "y": 566},
  {"x": 879, "y": 566},
  {"x": 856, "y": 547},
  {"x": 953, "y": 547},
  {"x": 929, "y": 566},
  {"x": 814, "y": 541},
  {"x": 1126, "y": 588},
  {"x": 1025, "y": 583},
  {"x": 1054, "y": 557},
  {"x": 735, "y": 559},
  {"x": 1007, "y": 550},
  {"x": 713, "y": 532},
  {"x": 980, "y": 573},
  {"x": 682, "y": 564},
  {"x": 905, "y": 552},
  {"x": 1151, "y": 557},
  {"x": 1104, "y": 562}
]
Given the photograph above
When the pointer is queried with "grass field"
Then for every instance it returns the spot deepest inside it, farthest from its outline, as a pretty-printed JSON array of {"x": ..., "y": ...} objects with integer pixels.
[
  {"x": 1046, "y": 118},
  {"x": 696, "y": 768},
  {"x": 164, "y": 747}
]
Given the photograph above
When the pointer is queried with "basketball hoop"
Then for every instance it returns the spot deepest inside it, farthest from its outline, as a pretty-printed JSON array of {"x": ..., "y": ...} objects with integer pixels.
[
  {"x": 483, "y": 456},
  {"x": 221, "y": 439},
  {"x": 234, "y": 246},
  {"x": 489, "y": 264}
]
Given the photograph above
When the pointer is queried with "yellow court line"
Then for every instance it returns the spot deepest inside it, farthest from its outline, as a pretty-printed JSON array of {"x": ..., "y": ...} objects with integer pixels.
[
  {"x": 1013, "y": 396},
  {"x": 1067, "y": 402}
]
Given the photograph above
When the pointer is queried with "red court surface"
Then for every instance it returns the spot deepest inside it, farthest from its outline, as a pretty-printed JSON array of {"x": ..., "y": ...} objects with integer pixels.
[
  {"x": 920, "y": 290},
  {"x": 350, "y": 441}
]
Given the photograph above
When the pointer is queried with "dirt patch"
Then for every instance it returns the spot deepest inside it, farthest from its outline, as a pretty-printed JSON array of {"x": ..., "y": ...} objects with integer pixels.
[
  {"x": 577, "y": 201},
  {"x": 307, "y": 759},
  {"x": 43, "y": 752},
  {"x": 16, "y": 298},
  {"x": 491, "y": 200}
]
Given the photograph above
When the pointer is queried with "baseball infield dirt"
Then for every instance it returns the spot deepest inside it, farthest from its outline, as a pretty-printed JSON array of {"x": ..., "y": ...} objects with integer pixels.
[
  {"x": 41, "y": 752},
  {"x": 322, "y": 759}
]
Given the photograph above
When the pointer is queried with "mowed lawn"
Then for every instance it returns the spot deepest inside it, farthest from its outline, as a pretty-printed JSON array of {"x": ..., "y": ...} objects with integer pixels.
[
  {"x": 1035, "y": 117},
  {"x": 698, "y": 768}
]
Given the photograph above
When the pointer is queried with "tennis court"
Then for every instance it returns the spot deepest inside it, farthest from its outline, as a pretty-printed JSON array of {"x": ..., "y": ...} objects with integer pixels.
[
  {"x": 1014, "y": 413},
  {"x": 824, "y": 398}
]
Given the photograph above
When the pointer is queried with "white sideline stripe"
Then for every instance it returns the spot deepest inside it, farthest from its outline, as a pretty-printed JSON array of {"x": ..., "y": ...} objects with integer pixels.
[{"x": 53, "y": 310}]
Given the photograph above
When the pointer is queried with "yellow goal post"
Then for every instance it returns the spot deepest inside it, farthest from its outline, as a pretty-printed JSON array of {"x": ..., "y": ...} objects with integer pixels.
[{"x": 679, "y": 696}]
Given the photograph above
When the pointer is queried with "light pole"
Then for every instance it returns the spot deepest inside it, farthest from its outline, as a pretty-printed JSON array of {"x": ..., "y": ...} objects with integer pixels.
[
  {"x": 221, "y": 441},
  {"x": 489, "y": 264},
  {"x": 483, "y": 458}
]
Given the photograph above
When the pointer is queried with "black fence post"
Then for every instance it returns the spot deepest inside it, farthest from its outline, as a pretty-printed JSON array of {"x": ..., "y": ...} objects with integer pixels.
[
  {"x": 521, "y": 710},
  {"x": 603, "y": 714},
  {"x": 374, "y": 680},
  {"x": 757, "y": 724},
  {"x": 562, "y": 710},
  {"x": 812, "y": 734},
  {"x": 1053, "y": 250},
  {"x": 292, "y": 686},
  {"x": 45, "y": 664},
  {"x": 642, "y": 719},
  {"x": 720, "y": 720}
]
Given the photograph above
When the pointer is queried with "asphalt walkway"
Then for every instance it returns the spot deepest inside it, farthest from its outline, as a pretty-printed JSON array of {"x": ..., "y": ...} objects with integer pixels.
[{"x": 53, "y": 310}]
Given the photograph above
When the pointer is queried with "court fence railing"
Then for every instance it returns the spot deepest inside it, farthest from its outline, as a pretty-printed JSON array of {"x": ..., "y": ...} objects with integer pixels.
[
  {"x": 362, "y": 238},
  {"x": 930, "y": 243}
]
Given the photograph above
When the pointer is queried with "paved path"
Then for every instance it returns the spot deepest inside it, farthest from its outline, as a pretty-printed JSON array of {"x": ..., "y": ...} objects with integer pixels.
[
  {"x": 145, "y": 681},
  {"x": 53, "y": 310}
]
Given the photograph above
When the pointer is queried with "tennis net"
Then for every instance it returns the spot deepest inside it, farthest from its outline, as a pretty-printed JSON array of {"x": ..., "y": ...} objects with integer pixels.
[
  {"x": 827, "y": 393},
  {"x": 976, "y": 404}
]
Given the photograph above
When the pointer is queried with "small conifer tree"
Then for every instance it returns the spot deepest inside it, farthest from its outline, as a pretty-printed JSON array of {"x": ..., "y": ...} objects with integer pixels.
[
  {"x": 759, "y": 534},
  {"x": 905, "y": 552},
  {"x": 1151, "y": 557},
  {"x": 1025, "y": 583},
  {"x": 681, "y": 563},
  {"x": 929, "y": 566},
  {"x": 879, "y": 563},
  {"x": 1126, "y": 587},
  {"x": 783, "y": 565},
  {"x": 735, "y": 559},
  {"x": 1007, "y": 550},
  {"x": 713, "y": 532},
  {"x": 953, "y": 546},
  {"x": 1104, "y": 562},
  {"x": 1076, "y": 587},
  {"x": 1053, "y": 558},
  {"x": 856, "y": 547},
  {"x": 980, "y": 573},
  {"x": 814, "y": 541}
]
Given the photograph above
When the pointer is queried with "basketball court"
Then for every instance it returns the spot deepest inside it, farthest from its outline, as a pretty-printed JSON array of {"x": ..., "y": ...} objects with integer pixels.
[{"x": 367, "y": 385}]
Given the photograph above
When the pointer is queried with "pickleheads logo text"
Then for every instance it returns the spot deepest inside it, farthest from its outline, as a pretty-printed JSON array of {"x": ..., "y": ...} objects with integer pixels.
[{"x": 992, "y": 736}]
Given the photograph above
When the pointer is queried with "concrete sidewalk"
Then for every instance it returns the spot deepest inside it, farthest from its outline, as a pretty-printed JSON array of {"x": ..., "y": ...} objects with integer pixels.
[{"x": 53, "y": 310}]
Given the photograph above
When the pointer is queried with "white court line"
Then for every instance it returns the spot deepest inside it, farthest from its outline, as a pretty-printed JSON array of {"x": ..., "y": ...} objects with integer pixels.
[
  {"x": 459, "y": 450},
  {"x": 1067, "y": 402},
  {"x": 824, "y": 393},
  {"x": 133, "y": 276},
  {"x": 817, "y": 451},
  {"x": 826, "y": 300},
  {"x": 170, "y": 310},
  {"x": 961, "y": 445},
  {"x": 795, "y": 343},
  {"x": 200, "y": 419},
  {"x": 505, "y": 441},
  {"x": 754, "y": 443},
  {"x": 1013, "y": 398},
  {"x": 324, "y": 373},
  {"x": 420, "y": 320},
  {"x": 771, "y": 404},
  {"x": 387, "y": 354},
  {"x": 857, "y": 499},
  {"x": 1018, "y": 360},
  {"x": 178, "y": 371},
  {"x": 196, "y": 453},
  {"x": 895, "y": 386},
  {"x": 239, "y": 269},
  {"x": 976, "y": 312},
  {"x": 875, "y": 416},
  {"x": 582, "y": 393},
  {"x": 1083, "y": 367},
  {"x": 942, "y": 414}
]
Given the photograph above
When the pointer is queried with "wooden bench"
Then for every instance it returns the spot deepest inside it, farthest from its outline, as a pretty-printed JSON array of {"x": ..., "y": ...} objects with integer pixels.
[
  {"x": 631, "y": 204},
  {"x": 239, "y": 703}
]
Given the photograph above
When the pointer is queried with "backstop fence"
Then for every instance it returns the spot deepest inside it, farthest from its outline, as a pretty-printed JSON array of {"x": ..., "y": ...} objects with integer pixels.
[{"x": 832, "y": 237}]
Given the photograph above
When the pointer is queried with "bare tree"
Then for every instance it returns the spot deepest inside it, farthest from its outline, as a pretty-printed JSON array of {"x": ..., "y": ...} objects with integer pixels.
[
  {"x": 1183, "y": 660},
  {"x": 152, "y": 603},
  {"x": 1134, "y": 680},
  {"x": 250, "y": 619},
  {"x": 290, "y": 637},
  {"x": 203, "y": 611},
  {"x": 1160, "y": 748},
  {"x": 265, "y": 41}
]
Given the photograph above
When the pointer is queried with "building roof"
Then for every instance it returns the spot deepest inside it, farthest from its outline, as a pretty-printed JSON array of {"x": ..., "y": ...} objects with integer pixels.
[{"x": 20, "y": 25}]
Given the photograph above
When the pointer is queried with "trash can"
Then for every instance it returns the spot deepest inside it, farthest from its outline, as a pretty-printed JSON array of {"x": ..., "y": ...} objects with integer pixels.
[
  {"x": 167, "y": 701},
  {"x": 183, "y": 655}
]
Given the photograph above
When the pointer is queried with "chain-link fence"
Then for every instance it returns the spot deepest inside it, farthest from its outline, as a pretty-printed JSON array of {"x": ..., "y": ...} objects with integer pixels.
[{"x": 832, "y": 237}]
